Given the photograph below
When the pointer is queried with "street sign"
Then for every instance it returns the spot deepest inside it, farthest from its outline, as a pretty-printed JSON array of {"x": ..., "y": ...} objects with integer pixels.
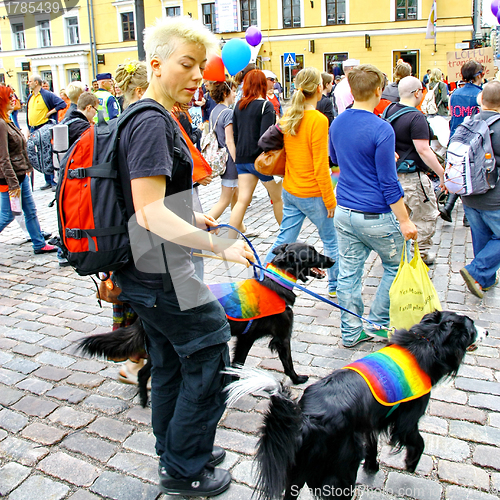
[{"x": 289, "y": 58}]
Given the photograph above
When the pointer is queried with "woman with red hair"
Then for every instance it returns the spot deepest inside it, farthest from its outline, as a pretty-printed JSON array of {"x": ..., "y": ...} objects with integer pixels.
[
  {"x": 253, "y": 115},
  {"x": 14, "y": 175}
]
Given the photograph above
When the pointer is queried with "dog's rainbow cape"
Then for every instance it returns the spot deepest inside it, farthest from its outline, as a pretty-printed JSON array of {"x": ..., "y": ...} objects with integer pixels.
[
  {"x": 248, "y": 299},
  {"x": 393, "y": 375}
]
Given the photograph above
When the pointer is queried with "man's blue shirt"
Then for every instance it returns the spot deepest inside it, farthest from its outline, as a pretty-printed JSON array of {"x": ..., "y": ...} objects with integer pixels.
[{"x": 363, "y": 146}]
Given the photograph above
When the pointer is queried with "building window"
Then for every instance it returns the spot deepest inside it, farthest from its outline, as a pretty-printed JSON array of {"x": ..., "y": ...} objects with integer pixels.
[
  {"x": 248, "y": 9},
  {"x": 209, "y": 16},
  {"x": 24, "y": 91},
  {"x": 44, "y": 31},
  {"x": 2, "y": 78},
  {"x": 72, "y": 30},
  {"x": 335, "y": 12},
  {"x": 173, "y": 11},
  {"x": 291, "y": 13},
  {"x": 18, "y": 31},
  {"x": 128, "y": 28},
  {"x": 74, "y": 75},
  {"x": 47, "y": 76},
  {"x": 406, "y": 9}
]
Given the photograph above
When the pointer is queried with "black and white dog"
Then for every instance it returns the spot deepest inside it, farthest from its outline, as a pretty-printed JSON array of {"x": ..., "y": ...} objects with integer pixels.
[
  {"x": 321, "y": 439},
  {"x": 298, "y": 260}
]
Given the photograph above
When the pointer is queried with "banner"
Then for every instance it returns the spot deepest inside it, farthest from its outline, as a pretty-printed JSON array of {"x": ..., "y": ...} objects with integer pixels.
[
  {"x": 431, "y": 23},
  {"x": 455, "y": 60},
  {"x": 226, "y": 15}
]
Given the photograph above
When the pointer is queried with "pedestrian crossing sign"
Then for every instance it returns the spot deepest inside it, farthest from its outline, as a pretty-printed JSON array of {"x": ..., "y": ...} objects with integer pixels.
[{"x": 289, "y": 58}]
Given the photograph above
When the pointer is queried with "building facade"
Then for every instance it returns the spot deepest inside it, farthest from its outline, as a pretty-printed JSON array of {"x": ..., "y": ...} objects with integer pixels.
[{"x": 96, "y": 35}]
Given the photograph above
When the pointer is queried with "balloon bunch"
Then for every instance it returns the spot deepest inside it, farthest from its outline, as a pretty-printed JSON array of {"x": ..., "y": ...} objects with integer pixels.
[
  {"x": 236, "y": 54},
  {"x": 495, "y": 8}
]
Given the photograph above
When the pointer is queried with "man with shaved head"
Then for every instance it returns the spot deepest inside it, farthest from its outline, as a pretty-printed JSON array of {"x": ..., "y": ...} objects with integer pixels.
[
  {"x": 413, "y": 136},
  {"x": 483, "y": 210}
]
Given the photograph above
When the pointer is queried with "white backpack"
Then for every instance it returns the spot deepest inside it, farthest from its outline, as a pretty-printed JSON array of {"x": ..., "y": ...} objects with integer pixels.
[
  {"x": 429, "y": 106},
  {"x": 215, "y": 156}
]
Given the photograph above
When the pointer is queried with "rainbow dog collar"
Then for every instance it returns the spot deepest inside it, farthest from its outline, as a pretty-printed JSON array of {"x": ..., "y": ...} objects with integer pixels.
[
  {"x": 280, "y": 276},
  {"x": 247, "y": 300},
  {"x": 393, "y": 375}
]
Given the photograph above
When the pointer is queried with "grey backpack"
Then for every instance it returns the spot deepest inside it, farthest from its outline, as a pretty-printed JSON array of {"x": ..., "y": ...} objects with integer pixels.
[{"x": 470, "y": 161}]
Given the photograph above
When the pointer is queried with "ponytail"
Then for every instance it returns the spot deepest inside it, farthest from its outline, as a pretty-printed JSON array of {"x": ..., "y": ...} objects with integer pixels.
[{"x": 307, "y": 81}]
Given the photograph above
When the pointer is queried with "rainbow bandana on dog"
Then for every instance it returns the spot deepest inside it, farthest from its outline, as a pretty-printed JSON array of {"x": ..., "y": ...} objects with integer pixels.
[
  {"x": 247, "y": 300},
  {"x": 393, "y": 375}
]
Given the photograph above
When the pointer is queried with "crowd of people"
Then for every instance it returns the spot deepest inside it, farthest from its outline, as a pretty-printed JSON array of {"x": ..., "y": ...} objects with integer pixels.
[{"x": 359, "y": 166}]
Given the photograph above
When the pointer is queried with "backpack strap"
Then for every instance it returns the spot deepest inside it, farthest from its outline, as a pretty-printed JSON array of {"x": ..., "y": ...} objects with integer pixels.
[
  {"x": 492, "y": 119},
  {"x": 392, "y": 118},
  {"x": 216, "y": 120},
  {"x": 397, "y": 114}
]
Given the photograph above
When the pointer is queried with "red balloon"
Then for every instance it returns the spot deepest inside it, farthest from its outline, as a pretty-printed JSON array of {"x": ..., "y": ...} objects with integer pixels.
[{"x": 214, "y": 70}]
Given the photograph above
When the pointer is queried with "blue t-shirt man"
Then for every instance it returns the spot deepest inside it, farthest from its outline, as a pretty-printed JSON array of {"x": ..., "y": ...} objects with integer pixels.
[{"x": 369, "y": 200}]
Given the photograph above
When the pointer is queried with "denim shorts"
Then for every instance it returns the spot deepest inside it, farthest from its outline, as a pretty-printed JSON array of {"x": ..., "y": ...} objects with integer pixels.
[{"x": 249, "y": 168}]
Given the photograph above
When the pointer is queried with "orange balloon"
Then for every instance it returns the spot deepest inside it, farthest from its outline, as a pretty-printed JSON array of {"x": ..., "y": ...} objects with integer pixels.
[{"x": 214, "y": 70}]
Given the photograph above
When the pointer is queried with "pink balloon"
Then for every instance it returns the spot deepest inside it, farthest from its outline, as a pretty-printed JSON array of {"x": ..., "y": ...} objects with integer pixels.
[
  {"x": 253, "y": 35},
  {"x": 494, "y": 7}
]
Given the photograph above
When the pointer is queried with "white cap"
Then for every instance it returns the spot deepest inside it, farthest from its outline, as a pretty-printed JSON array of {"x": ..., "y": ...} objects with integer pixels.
[
  {"x": 350, "y": 63},
  {"x": 269, "y": 74}
]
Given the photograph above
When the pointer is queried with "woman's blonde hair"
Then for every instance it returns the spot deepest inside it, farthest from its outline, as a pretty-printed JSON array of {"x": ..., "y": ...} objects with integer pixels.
[
  {"x": 306, "y": 85},
  {"x": 74, "y": 90},
  {"x": 129, "y": 76},
  {"x": 436, "y": 75},
  {"x": 164, "y": 36}
]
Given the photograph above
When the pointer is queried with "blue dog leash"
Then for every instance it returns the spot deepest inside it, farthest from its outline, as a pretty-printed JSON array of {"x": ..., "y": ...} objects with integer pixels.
[{"x": 264, "y": 271}]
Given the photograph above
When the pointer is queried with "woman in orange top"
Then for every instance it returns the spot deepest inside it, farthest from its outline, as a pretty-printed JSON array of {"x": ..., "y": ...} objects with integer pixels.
[
  {"x": 307, "y": 187},
  {"x": 62, "y": 113}
]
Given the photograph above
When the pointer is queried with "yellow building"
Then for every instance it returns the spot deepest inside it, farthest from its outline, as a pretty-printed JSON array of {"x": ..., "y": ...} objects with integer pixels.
[{"x": 96, "y": 35}]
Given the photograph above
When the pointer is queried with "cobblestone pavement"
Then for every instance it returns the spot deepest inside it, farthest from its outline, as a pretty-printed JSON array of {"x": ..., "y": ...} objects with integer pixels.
[{"x": 70, "y": 430}]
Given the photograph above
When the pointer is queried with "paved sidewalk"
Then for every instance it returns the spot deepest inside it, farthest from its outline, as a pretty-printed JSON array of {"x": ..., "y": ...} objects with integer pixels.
[{"x": 70, "y": 430}]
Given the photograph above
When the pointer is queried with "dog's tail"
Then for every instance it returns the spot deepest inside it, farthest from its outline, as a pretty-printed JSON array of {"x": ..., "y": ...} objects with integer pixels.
[
  {"x": 280, "y": 434},
  {"x": 118, "y": 345}
]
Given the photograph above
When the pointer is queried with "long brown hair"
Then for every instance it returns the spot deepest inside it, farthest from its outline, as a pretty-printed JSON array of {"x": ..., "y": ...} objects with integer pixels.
[
  {"x": 5, "y": 93},
  {"x": 254, "y": 86}
]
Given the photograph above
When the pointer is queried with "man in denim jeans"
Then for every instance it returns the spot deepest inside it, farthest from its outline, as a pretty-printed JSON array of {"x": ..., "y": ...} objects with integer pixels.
[
  {"x": 186, "y": 328},
  {"x": 483, "y": 210},
  {"x": 369, "y": 200}
]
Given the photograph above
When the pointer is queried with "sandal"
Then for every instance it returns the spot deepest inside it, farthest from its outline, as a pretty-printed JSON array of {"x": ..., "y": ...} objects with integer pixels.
[{"x": 126, "y": 377}]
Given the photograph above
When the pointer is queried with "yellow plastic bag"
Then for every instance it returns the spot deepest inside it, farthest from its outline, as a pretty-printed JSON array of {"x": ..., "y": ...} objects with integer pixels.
[{"x": 412, "y": 293}]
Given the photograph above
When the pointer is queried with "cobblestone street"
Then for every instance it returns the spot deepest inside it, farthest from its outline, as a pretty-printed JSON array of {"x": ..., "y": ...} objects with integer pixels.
[{"x": 70, "y": 430}]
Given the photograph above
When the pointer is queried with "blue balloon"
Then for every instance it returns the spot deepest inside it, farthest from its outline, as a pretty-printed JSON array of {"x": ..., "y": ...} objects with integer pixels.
[{"x": 236, "y": 55}]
